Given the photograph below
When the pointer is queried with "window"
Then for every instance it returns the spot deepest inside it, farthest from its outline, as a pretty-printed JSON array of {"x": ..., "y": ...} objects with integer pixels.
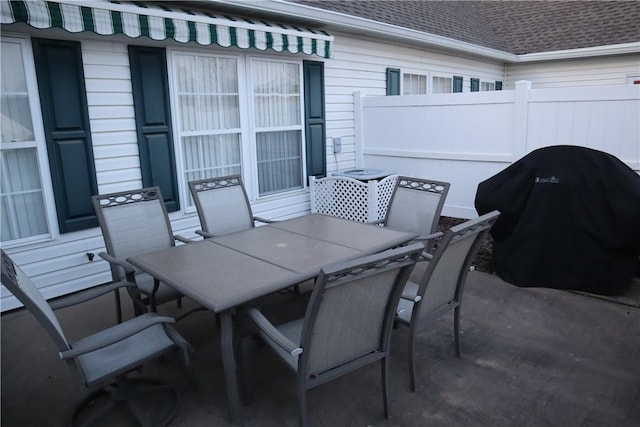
[
  {"x": 208, "y": 119},
  {"x": 441, "y": 84},
  {"x": 24, "y": 212},
  {"x": 414, "y": 84},
  {"x": 278, "y": 125},
  {"x": 228, "y": 125},
  {"x": 487, "y": 86}
]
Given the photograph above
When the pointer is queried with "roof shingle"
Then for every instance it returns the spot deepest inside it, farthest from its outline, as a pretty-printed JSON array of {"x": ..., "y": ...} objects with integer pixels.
[{"x": 513, "y": 26}]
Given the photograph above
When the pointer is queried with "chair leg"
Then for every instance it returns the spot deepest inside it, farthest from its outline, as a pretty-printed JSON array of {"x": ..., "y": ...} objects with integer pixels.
[
  {"x": 412, "y": 361},
  {"x": 456, "y": 330},
  {"x": 245, "y": 369},
  {"x": 151, "y": 402},
  {"x": 385, "y": 386},
  {"x": 302, "y": 404},
  {"x": 116, "y": 294}
]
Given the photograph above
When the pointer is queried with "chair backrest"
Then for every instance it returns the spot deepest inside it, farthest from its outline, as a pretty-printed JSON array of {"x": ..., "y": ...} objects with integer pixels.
[
  {"x": 132, "y": 223},
  {"x": 14, "y": 279},
  {"x": 222, "y": 204},
  {"x": 416, "y": 205},
  {"x": 351, "y": 309},
  {"x": 444, "y": 277}
]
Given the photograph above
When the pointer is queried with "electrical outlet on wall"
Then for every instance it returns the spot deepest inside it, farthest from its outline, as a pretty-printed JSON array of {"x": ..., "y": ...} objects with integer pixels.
[{"x": 337, "y": 145}]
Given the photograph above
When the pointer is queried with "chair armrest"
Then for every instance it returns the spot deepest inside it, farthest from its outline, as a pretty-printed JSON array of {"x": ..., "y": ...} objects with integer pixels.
[
  {"x": 425, "y": 256},
  {"x": 89, "y": 294},
  {"x": 119, "y": 333},
  {"x": 410, "y": 292},
  {"x": 183, "y": 239},
  {"x": 429, "y": 236},
  {"x": 128, "y": 268},
  {"x": 204, "y": 234},
  {"x": 411, "y": 297},
  {"x": 266, "y": 221},
  {"x": 270, "y": 331},
  {"x": 376, "y": 221}
]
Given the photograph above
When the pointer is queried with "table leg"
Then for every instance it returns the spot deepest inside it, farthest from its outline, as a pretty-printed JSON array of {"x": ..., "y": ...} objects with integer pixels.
[{"x": 229, "y": 363}]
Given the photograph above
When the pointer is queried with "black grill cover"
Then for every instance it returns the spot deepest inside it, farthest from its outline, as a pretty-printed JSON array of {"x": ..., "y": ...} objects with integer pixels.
[{"x": 570, "y": 220}]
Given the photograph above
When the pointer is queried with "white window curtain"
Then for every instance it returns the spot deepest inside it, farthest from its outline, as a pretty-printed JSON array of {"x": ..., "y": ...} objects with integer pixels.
[
  {"x": 209, "y": 116},
  {"x": 21, "y": 194},
  {"x": 487, "y": 86},
  {"x": 414, "y": 84},
  {"x": 442, "y": 84},
  {"x": 278, "y": 121}
]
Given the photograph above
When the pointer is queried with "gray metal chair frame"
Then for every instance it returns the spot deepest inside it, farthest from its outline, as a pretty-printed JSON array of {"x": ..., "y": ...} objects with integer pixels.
[
  {"x": 135, "y": 222},
  {"x": 347, "y": 324},
  {"x": 439, "y": 288},
  {"x": 100, "y": 362},
  {"x": 223, "y": 205},
  {"x": 416, "y": 205}
]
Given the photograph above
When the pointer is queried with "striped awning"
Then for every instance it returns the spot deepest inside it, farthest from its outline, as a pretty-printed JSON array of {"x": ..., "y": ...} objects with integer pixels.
[{"x": 161, "y": 23}]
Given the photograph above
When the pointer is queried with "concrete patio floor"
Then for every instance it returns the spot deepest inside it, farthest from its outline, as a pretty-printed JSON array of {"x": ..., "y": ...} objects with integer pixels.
[{"x": 531, "y": 357}]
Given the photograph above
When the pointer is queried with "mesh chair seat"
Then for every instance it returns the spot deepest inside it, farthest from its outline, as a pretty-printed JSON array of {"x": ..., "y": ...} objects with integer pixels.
[
  {"x": 347, "y": 324},
  {"x": 415, "y": 206},
  {"x": 223, "y": 205},
  {"x": 100, "y": 362},
  {"x": 438, "y": 284},
  {"x": 145, "y": 283},
  {"x": 122, "y": 356},
  {"x": 132, "y": 223}
]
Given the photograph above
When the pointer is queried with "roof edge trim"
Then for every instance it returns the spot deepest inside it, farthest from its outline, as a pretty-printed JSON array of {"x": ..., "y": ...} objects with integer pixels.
[
  {"x": 348, "y": 22},
  {"x": 614, "y": 49}
]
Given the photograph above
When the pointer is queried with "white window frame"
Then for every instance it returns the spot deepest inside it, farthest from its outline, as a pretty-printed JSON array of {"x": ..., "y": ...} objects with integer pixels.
[
  {"x": 442, "y": 76},
  {"x": 253, "y": 189},
  {"x": 248, "y": 149},
  {"x": 485, "y": 83},
  {"x": 39, "y": 143},
  {"x": 428, "y": 82},
  {"x": 176, "y": 118}
]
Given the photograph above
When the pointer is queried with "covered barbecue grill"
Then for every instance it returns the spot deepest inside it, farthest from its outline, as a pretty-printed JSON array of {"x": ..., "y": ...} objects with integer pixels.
[{"x": 570, "y": 220}]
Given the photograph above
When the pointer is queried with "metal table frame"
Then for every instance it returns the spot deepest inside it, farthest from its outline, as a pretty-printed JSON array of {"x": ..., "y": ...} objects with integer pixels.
[{"x": 225, "y": 272}]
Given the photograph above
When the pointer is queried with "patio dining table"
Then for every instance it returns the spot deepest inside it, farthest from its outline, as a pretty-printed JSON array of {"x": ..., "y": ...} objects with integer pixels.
[{"x": 225, "y": 272}]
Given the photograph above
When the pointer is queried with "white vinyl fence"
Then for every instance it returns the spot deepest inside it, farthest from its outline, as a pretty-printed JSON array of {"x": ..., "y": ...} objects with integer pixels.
[{"x": 465, "y": 138}]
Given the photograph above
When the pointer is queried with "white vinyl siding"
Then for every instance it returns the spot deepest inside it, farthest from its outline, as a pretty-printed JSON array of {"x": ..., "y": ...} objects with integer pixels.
[
  {"x": 359, "y": 65},
  {"x": 597, "y": 71}
]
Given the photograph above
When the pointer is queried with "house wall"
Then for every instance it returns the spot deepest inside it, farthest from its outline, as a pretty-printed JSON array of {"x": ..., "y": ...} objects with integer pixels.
[
  {"x": 598, "y": 71},
  {"x": 466, "y": 138},
  {"x": 360, "y": 65}
]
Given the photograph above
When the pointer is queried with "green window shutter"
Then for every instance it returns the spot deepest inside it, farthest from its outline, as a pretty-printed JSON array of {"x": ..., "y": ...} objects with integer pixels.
[
  {"x": 68, "y": 134},
  {"x": 153, "y": 121},
  {"x": 393, "y": 81},
  {"x": 475, "y": 85},
  {"x": 315, "y": 122},
  {"x": 457, "y": 84},
  {"x": 498, "y": 85}
]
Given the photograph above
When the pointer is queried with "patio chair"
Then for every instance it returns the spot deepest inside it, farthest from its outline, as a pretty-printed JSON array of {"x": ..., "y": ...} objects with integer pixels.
[
  {"x": 100, "y": 363},
  {"x": 132, "y": 223},
  {"x": 347, "y": 324},
  {"x": 415, "y": 206},
  {"x": 223, "y": 206},
  {"x": 437, "y": 289}
]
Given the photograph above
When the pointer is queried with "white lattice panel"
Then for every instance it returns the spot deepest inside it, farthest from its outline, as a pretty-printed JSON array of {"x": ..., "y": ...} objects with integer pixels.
[
  {"x": 349, "y": 198},
  {"x": 385, "y": 190}
]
